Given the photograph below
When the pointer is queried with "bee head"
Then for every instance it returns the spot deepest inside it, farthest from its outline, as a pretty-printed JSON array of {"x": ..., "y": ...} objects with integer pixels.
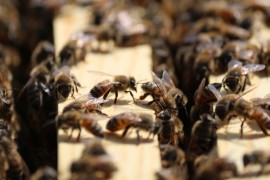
[{"x": 132, "y": 84}]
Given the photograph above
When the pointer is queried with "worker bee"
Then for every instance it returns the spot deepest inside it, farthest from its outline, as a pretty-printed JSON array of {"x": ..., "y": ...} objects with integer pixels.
[
  {"x": 17, "y": 168},
  {"x": 42, "y": 51},
  {"x": 77, "y": 120},
  {"x": 65, "y": 84},
  {"x": 203, "y": 137},
  {"x": 85, "y": 105},
  {"x": 234, "y": 105},
  {"x": 262, "y": 102},
  {"x": 259, "y": 157},
  {"x": 164, "y": 93},
  {"x": 46, "y": 172},
  {"x": 237, "y": 77},
  {"x": 171, "y": 128},
  {"x": 127, "y": 120},
  {"x": 75, "y": 50},
  {"x": 203, "y": 99},
  {"x": 215, "y": 168},
  {"x": 4, "y": 129},
  {"x": 119, "y": 83},
  {"x": 94, "y": 163}
]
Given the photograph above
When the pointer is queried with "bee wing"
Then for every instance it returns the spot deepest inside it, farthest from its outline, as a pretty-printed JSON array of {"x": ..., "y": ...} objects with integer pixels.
[
  {"x": 159, "y": 83},
  {"x": 252, "y": 68},
  {"x": 234, "y": 63},
  {"x": 259, "y": 101},
  {"x": 64, "y": 69},
  {"x": 166, "y": 78},
  {"x": 81, "y": 38},
  {"x": 201, "y": 86},
  {"x": 96, "y": 101},
  {"x": 214, "y": 91}
]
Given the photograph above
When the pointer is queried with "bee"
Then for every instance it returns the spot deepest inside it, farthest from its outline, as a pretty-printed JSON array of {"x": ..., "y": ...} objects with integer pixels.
[
  {"x": 4, "y": 129},
  {"x": 75, "y": 50},
  {"x": 127, "y": 120},
  {"x": 164, "y": 92},
  {"x": 203, "y": 99},
  {"x": 237, "y": 77},
  {"x": 171, "y": 128},
  {"x": 94, "y": 163},
  {"x": 203, "y": 137},
  {"x": 172, "y": 156},
  {"x": 232, "y": 105},
  {"x": 119, "y": 83},
  {"x": 85, "y": 106},
  {"x": 257, "y": 157},
  {"x": 42, "y": 51},
  {"x": 215, "y": 168},
  {"x": 65, "y": 84},
  {"x": 262, "y": 102},
  {"x": 77, "y": 120},
  {"x": 46, "y": 172},
  {"x": 17, "y": 168}
]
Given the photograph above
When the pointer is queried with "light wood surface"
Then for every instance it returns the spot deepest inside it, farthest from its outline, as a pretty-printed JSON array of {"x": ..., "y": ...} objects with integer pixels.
[{"x": 142, "y": 161}]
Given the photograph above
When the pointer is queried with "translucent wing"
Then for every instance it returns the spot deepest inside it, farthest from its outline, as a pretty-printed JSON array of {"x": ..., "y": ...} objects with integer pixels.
[
  {"x": 64, "y": 69},
  {"x": 234, "y": 63},
  {"x": 201, "y": 86},
  {"x": 214, "y": 91},
  {"x": 159, "y": 83},
  {"x": 167, "y": 80},
  {"x": 252, "y": 68},
  {"x": 259, "y": 101}
]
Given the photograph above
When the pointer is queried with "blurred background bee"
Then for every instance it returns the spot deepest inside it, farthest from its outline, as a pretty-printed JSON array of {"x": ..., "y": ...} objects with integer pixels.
[
  {"x": 94, "y": 163},
  {"x": 76, "y": 120}
]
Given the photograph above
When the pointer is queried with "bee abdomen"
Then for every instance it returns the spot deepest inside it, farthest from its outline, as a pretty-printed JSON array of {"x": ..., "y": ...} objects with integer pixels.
[
  {"x": 34, "y": 97},
  {"x": 116, "y": 124},
  {"x": 96, "y": 91},
  {"x": 94, "y": 128}
]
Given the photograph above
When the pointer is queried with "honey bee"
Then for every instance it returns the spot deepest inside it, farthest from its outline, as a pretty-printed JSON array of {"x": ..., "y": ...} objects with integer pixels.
[
  {"x": 65, "y": 84},
  {"x": 172, "y": 156},
  {"x": 203, "y": 99},
  {"x": 215, "y": 168},
  {"x": 75, "y": 50},
  {"x": 94, "y": 163},
  {"x": 164, "y": 92},
  {"x": 46, "y": 172},
  {"x": 119, "y": 83},
  {"x": 127, "y": 120},
  {"x": 17, "y": 168},
  {"x": 4, "y": 129},
  {"x": 203, "y": 137},
  {"x": 237, "y": 77},
  {"x": 262, "y": 102},
  {"x": 234, "y": 105},
  {"x": 77, "y": 120},
  {"x": 85, "y": 106},
  {"x": 42, "y": 51},
  {"x": 171, "y": 128}
]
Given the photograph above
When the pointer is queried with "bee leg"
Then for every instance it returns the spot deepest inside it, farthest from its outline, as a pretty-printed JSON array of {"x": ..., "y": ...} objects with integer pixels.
[
  {"x": 101, "y": 113},
  {"x": 126, "y": 129},
  {"x": 116, "y": 96},
  {"x": 262, "y": 129},
  {"x": 131, "y": 94},
  {"x": 244, "y": 84},
  {"x": 72, "y": 92},
  {"x": 79, "y": 134},
  {"x": 107, "y": 93},
  {"x": 242, "y": 127},
  {"x": 70, "y": 136},
  {"x": 142, "y": 97},
  {"x": 138, "y": 136}
]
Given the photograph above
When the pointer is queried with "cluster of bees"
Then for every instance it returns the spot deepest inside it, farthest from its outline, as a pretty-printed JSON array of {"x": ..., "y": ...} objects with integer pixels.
[
  {"x": 189, "y": 44},
  {"x": 190, "y": 40}
]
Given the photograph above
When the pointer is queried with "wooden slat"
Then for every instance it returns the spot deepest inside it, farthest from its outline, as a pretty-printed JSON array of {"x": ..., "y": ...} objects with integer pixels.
[{"x": 133, "y": 161}]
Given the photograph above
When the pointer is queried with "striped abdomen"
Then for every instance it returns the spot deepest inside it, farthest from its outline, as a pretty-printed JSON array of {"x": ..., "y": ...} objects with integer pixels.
[
  {"x": 93, "y": 127},
  {"x": 117, "y": 123},
  {"x": 100, "y": 89}
]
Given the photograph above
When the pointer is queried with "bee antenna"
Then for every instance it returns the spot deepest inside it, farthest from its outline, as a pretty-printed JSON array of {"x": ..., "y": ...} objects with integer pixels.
[
  {"x": 141, "y": 81},
  {"x": 246, "y": 92}
]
